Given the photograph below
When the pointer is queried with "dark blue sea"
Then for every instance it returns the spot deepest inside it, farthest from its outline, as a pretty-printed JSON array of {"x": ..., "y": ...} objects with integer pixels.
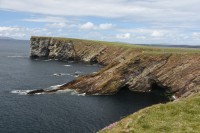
[{"x": 60, "y": 112}]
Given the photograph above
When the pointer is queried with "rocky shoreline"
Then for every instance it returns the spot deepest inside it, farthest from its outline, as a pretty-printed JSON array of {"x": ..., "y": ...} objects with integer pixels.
[{"x": 137, "y": 68}]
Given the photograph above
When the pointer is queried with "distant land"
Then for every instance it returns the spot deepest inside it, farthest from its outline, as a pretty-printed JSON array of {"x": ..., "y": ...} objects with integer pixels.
[
  {"x": 6, "y": 38},
  {"x": 153, "y": 45},
  {"x": 172, "y": 46},
  {"x": 167, "y": 45}
]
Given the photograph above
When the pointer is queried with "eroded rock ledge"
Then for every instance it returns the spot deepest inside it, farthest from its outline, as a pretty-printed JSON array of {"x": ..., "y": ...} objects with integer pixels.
[{"x": 136, "y": 67}]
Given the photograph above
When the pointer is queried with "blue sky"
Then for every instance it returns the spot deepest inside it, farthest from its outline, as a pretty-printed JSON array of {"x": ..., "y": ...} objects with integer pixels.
[{"x": 133, "y": 21}]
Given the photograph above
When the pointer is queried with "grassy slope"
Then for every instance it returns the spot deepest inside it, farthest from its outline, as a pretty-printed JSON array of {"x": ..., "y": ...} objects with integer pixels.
[
  {"x": 145, "y": 49},
  {"x": 180, "y": 116}
]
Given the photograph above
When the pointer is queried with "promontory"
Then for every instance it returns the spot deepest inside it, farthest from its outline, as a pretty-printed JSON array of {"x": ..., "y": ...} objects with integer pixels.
[{"x": 173, "y": 71}]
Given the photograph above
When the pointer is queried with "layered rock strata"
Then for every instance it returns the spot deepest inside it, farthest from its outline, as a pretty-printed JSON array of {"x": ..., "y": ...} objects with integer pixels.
[{"x": 136, "y": 68}]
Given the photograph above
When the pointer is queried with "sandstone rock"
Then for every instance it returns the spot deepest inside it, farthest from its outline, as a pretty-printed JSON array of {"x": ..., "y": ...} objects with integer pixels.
[{"x": 133, "y": 68}]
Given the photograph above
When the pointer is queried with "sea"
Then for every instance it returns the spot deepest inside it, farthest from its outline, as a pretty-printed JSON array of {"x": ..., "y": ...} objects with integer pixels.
[{"x": 61, "y": 112}]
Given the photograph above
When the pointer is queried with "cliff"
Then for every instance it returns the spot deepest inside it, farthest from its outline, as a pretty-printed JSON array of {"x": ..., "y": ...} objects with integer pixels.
[
  {"x": 138, "y": 68},
  {"x": 171, "y": 71}
]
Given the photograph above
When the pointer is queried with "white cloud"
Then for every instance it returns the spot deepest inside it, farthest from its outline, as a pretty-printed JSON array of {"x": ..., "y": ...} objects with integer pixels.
[
  {"x": 152, "y": 33},
  {"x": 10, "y": 29},
  {"x": 105, "y": 26},
  {"x": 157, "y": 34},
  {"x": 155, "y": 11},
  {"x": 61, "y": 25},
  {"x": 160, "y": 36},
  {"x": 56, "y": 25},
  {"x": 47, "y": 19},
  {"x": 141, "y": 37},
  {"x": 123, "y": 36},
  {"x": 160, "y": 21},
  {"x": 54, "y": 22},
  {"x": 196, "y": 35},
  {"x": 22, "y": 32},
  {"x": 87, "y": 26},
  {"x": 92, "y": 26}
]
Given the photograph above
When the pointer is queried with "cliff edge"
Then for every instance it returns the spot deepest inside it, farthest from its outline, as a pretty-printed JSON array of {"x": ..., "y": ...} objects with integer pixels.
[
  {"x": 180, "y": 116},
  {"x": 138, "y": 68}
]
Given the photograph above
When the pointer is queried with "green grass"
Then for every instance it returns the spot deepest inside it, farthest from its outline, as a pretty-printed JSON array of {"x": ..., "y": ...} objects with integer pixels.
[
  {"x": 181, "y": 116},
  {"x": 144, "y": 49}
]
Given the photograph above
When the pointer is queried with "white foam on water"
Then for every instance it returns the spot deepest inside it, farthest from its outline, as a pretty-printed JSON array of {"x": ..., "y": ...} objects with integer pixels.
[
  {"x": 78, "y": 72},
  {"x": 76, "y": 76},
  {"x": 61, "y": 74},
  {"x": 17, "y": 56},
  {"x": 64, "y": 91},
  {"x": 47, "y": 60},
  {"x": 81, "y": 94},
  {"x": 67, "y": 65},
  {"x": 39, "y": 93},
  {"x": 54, "y": 87},
  {"x": 73, "y": 93},
  {"x": 70, "y": 91},
  {"x": 20, "y": 92},
  {"x": 56, "y": 74}
]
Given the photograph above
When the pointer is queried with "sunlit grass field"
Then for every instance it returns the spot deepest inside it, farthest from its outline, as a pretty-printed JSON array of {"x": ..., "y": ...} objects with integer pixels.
[{"x": 181, "y": 116}]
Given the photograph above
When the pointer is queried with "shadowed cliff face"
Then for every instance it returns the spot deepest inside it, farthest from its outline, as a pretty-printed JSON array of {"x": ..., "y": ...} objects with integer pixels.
[
  {"x": 124, "y": 67},
  {"x": 51, "y": 48}
]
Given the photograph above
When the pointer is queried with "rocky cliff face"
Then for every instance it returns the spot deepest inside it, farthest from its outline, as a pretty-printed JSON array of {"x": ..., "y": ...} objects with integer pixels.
[
  {"x": 52, "y": 48},
  {"x": 136, "y": 68}
]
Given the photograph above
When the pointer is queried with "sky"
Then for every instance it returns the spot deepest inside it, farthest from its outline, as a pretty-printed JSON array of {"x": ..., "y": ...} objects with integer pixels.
[{"x": 132, "y": 21}]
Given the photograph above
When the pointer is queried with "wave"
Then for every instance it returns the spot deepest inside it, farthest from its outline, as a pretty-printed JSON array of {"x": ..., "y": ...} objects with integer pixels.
[
  {"x": 17, "y": 56},
  {"x": 81, "y": 94},
  {"x": 47, "y": 60},
  {"x": 21, "y": 92},
  {"x": 69, "y": 91},
  {"x": 62, "y": 74},
  {"x": 67, "y": 65},
  {"x": 25, "y": 92},
  {"x": 42, "y": 60},
  {"x": 65, "y": 91},
  {"x": 75, "y": 93},
  {"x": 54, "y": 87},
  {"x": 78, "y": 72}
]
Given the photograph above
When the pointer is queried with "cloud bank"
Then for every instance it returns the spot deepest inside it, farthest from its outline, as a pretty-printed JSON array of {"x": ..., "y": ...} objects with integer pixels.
[
  {"x": 135, "y": 10},
  {"x": 140, "y": 21}
]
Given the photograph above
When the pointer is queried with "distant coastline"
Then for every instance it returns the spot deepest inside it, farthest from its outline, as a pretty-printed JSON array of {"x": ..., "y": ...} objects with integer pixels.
[{"x": 6, "y": 38}]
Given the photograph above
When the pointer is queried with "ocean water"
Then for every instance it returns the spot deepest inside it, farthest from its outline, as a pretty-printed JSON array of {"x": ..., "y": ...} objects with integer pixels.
[{"x": 60, "y": 112}]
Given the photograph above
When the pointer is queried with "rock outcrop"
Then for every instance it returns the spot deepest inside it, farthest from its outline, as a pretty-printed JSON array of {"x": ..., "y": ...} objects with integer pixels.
[
  {"x": 134, "y": 67},
  {"x": 52, "y": 48}
]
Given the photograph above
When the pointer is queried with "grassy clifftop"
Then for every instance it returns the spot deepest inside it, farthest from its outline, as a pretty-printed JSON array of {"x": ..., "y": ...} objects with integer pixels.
[
  {"x": 134, "y": 47},
  {"x": 181, "y": 116}
]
